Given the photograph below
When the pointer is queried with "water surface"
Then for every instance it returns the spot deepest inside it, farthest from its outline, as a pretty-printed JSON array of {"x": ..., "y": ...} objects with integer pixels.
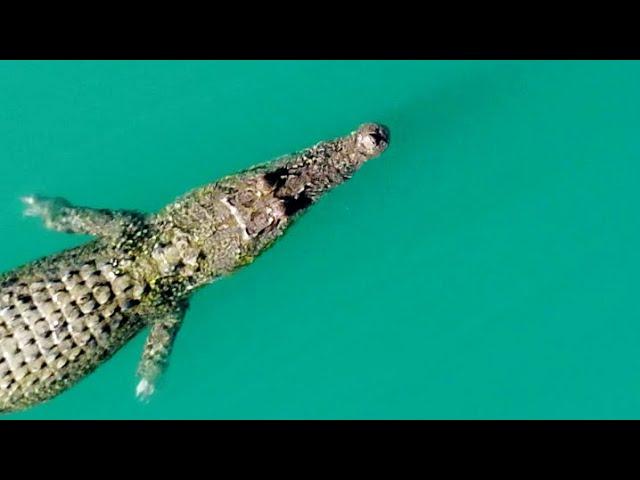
[{"x": 484, "y": 267}]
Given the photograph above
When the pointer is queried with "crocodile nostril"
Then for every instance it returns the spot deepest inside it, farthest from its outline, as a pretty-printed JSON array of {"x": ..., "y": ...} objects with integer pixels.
[{"x": 379, "y": 138}]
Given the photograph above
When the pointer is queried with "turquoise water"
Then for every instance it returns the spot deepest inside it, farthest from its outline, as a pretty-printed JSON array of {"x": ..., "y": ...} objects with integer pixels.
[{"x": 484, "y": 267}]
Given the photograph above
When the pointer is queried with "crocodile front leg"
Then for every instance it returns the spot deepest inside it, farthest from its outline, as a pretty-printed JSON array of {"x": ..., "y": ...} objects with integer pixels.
[
  {"x": 157, "y": 348},
  {"x": 60, "y": 215}
]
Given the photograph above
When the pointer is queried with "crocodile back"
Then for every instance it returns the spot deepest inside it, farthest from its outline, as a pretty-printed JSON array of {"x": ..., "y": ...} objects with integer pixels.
[{"x": 59, "y": 318}]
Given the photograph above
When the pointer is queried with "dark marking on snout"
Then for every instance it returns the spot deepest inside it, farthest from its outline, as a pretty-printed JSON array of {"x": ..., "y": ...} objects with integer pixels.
[
  {"x": 277, "y": 177},
  {"x": 293, "y": 205}
]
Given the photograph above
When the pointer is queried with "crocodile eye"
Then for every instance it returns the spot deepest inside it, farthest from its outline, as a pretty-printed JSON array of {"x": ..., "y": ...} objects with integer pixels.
[
  {"x": 246, "y": 197},
  {"x": 259, "y": 222}
]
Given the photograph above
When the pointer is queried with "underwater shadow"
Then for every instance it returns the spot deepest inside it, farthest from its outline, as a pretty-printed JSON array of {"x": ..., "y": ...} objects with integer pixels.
[{"x": 437, "y": 113}]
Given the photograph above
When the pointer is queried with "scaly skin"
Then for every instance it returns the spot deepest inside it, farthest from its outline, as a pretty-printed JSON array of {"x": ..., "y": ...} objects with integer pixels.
[{"x": 62, "y": 316}]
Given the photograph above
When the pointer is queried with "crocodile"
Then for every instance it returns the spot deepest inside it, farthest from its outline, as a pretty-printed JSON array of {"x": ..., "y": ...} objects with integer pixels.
[{"x": 64, "y": 315}]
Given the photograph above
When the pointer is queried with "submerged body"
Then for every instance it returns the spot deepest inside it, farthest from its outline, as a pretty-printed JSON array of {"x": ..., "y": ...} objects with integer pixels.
[{"x": 61, "y": 316}]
